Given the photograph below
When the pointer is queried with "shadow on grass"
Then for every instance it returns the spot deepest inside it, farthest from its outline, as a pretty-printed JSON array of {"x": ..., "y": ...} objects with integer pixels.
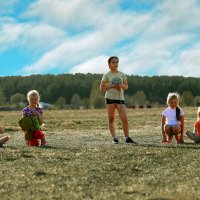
[
  {"x": 186, "y": 145},
  {"x": 136, "y": 192},
  {"x": 40, "y": 173}
]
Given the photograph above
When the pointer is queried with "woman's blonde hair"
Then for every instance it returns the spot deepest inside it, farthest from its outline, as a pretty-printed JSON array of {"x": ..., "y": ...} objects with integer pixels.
[
  {"x": 173, "y": 95},
  {"x": 33, "y": 93}
]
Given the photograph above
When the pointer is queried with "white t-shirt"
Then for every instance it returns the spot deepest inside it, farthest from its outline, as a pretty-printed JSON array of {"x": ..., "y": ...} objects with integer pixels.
[
  {"x": 170, "y": 115},
  {"x": 113, "y": 79}
]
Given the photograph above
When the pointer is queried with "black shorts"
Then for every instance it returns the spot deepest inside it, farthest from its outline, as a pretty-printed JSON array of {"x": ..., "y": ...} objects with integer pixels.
[{"x": 114, "y": 101}]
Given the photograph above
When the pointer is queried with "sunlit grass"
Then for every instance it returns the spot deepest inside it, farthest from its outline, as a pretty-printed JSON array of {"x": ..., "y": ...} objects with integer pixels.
[{"x": 80, "y": 162}]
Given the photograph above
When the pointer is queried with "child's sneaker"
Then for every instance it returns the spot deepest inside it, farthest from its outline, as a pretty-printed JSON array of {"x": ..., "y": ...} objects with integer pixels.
[
  {"x": 129, "y": 141},
  {"x": 115, "y": 140},
  {"x": 43, "y": 142}
]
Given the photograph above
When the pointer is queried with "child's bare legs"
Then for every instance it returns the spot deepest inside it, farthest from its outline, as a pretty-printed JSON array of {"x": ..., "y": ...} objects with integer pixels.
[
  {"x": 111, "y": 118},
  {"x": 173, "y": 130},
  {"x": 176, "y": 131},
  {"x": 39, "y": 135},
  {"x": 33, "y": 142},
  {"x": 1, "y": 130},
  {"x": 5, "y": 138},
  {"x": 123, "y": 116},
  {"x": 168, "y": 131}
]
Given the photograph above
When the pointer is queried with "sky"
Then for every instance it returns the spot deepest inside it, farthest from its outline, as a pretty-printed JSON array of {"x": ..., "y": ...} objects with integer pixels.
[{"x": 150, "y": 37}]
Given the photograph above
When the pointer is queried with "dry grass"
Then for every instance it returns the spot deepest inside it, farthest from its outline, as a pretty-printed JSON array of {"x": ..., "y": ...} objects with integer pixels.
[{"x": 80, "y": 162}]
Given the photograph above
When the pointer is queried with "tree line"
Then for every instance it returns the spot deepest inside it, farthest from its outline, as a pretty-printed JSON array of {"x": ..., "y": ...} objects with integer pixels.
[{"x": 83, "y": 89}]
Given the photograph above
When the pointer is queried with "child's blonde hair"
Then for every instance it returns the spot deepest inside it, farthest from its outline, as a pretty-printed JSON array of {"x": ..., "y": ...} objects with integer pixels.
[
  {"x": 33, "y": 93},
  {"x": 173, "y": 95},
  {"x": 198, "y": 114}
]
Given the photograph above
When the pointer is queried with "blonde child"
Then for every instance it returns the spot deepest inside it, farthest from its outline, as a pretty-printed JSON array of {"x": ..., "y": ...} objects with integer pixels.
[
  {"x": 172, "y": 120},
  {"x": 34, "y": 111},
  {"x": 195, "y": 135},
  {"x": 114, "y": 83},
  {"x": 4, "y": 139}
]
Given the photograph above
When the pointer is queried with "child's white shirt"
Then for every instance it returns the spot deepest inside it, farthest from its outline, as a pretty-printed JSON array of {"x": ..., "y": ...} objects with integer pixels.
[{"x": 170, "y": 115}]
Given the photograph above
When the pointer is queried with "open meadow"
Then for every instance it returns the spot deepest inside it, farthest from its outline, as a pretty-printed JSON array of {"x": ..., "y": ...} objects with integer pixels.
[{"x": 80, "y": 161}]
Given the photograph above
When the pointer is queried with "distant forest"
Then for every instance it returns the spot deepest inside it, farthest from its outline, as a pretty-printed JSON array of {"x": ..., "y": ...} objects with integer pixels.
[{"x": 149, "y": 90}]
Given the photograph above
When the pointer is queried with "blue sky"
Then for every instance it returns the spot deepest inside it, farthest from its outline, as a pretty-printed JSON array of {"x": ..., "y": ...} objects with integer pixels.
[{"x": 151, "y": 37}]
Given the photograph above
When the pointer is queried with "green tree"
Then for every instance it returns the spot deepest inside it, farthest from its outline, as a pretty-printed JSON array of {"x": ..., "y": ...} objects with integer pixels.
[
  {"x": 76, "y": 101},
  {"x": 60, "y": 102},
  {"x": 197, "y": 101},
  {"x": 187, "y": 98},
  {"x": 95, "y": 92},
  {"x": 86, "y": 103},
  {"x": 140, "y": 98},
  {"x": 17, "y": 99},
  {"x": 99, "y": 102},
  {"x": 2, "y": 98},
  {"x": 129, "y": 100},
  {"x": 51, "y": 87}
]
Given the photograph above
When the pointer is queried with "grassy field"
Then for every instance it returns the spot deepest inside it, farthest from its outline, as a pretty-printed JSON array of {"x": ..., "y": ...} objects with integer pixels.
[{"x": 80, "y": 162}]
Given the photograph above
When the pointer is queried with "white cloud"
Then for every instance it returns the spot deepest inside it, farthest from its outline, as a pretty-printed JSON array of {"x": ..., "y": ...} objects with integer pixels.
[
  {"x": 32, "y": 37},
  {"x": 187, "y": 63},
  {"x": 6, "y": 7},
  {"x": 76, "y": 13},
  {"x": 76, "y": 35},
  {"x": 9, "y": 38},
  {"x": 75, "y": 50},
  {"x": 95, "y": 65}
]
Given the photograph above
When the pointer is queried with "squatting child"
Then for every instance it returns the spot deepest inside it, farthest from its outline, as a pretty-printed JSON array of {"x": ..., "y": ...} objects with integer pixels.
[
  {"x": 34, "y": 111},
  {"x": 172, "y": 120}
]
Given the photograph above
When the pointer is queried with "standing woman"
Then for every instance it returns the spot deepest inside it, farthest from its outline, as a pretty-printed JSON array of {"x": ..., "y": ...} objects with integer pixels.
[{"x": 114, "y": 83}]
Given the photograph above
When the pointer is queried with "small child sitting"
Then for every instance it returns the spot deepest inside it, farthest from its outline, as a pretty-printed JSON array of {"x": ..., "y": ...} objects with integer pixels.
[
  {"x": 195, "y": 135},
  {"x": 36, "y": 114}
]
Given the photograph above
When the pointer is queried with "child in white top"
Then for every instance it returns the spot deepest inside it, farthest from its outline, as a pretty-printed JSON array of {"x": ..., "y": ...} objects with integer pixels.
[{"x": 172, "y": 120}]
